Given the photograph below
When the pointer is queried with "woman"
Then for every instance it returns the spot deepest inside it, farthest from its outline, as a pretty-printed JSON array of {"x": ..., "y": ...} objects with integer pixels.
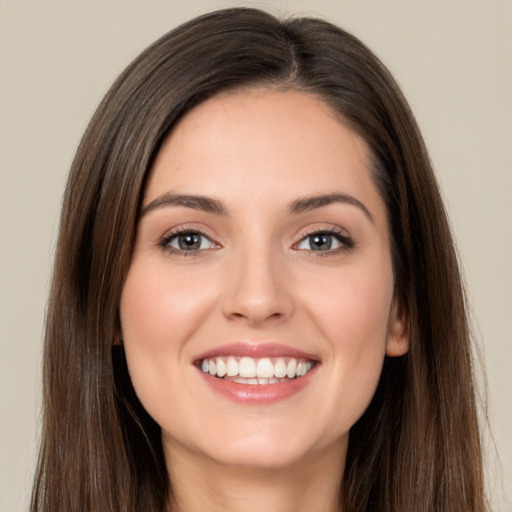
[{"x": 256, "y": 302}]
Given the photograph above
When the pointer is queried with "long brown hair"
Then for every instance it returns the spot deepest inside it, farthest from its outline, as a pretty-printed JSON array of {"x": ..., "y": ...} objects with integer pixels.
[{"x": 417, "y": 446}]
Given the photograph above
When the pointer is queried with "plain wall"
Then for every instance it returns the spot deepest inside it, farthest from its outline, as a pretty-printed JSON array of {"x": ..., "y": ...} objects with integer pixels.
[{"x": 57, "y": 59}]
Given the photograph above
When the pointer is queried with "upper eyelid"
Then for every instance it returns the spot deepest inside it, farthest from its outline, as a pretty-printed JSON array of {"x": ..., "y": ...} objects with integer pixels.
[
  {"x": 325, "y": 228},
  {"x": 193, "y": 228},
  {"x": 173, "y": 233}
]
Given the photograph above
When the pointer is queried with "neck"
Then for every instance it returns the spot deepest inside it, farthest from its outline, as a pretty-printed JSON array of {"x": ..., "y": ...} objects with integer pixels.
[{"x": 203, "y": 484}]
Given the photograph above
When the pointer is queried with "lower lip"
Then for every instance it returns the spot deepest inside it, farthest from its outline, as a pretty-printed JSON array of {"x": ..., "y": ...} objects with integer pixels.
[{"x": 258, "y": 393}]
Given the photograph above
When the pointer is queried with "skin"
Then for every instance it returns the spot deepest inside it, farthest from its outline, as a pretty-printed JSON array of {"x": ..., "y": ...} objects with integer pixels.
[{"x": 256, "y": 279}]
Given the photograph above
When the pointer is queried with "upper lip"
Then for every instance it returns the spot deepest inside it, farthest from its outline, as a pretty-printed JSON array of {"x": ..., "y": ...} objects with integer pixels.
[{"x": 256, "y": 351}]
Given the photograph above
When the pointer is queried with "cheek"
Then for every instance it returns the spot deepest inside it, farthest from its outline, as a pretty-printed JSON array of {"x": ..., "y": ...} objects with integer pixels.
[
  {"x": 160, "y": 311},
  {"x": 354, "y": 311},
  {"x": 158, "y": 304},
  {"x": 354, "y": 319}
]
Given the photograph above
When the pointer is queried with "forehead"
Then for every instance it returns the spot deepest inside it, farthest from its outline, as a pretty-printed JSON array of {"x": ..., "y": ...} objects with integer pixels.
[{"x": 272, "y": 143}]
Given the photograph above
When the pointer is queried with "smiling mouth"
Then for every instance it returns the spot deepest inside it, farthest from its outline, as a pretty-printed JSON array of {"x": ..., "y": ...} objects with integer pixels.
[{"x": 262, "y": 371}]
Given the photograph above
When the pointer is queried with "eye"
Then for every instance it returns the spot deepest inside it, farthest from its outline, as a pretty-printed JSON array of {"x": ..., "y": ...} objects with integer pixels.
[
  {"x": 188, "y": 241},
  {"x": 324, "y": 241}
]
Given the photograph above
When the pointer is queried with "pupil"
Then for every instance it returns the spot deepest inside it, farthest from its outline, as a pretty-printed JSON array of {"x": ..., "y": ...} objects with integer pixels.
[
  {"x": 321, "y": 242},
  {"x": 189, "y": 241}
]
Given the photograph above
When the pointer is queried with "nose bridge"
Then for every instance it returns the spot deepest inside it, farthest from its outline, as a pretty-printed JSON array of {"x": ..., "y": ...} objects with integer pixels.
[{"x": 258, "y": 291}]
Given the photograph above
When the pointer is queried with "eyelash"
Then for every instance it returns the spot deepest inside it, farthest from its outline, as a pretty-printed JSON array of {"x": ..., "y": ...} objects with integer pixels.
[
  {"x": 346, "y": 242},
  {"x": 164, "y": 244}
]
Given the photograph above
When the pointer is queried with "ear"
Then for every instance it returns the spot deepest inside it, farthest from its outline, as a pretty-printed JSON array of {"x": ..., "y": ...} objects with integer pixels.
[{"x": 397, "y": 343}]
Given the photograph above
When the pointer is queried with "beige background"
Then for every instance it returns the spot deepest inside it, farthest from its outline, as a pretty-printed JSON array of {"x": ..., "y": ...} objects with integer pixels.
[{"x": 453, "y": 60}]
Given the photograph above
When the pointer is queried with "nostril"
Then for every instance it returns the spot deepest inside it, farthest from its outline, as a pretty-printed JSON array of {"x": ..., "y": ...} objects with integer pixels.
[
  {"x": 276, "y": 316},
  {"x": 255, "y": 319}
]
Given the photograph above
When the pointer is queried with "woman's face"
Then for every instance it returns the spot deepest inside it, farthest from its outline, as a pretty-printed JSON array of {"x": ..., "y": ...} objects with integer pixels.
[{"x": 259, "y": 303}]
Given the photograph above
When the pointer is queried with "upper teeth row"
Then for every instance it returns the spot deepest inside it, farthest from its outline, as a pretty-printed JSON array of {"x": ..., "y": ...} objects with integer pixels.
[{"x": 248, "y": 367}]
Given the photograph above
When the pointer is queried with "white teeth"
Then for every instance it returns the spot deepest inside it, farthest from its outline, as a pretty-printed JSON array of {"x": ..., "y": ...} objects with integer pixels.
[
  {"x": 290, "y": 369},
  {"x": 280, "y": 368},
  {"x": 265, "y": 368},
  {"x": 247, "y": 367},
  {"x": 301, "y": 369},
  {"x": 221, "y": 367},
  {"x": 263, "y": 371},
  {"x": 232, "y": 367}
]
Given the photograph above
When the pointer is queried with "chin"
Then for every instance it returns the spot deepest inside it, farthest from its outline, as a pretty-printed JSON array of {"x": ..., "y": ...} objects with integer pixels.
[
  {"x": 264, "y": 455},
  {"x": 261, "y": 448}
]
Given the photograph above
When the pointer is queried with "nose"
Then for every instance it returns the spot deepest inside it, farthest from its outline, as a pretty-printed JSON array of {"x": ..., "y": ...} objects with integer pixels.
[{"x": 259, "y": 290}]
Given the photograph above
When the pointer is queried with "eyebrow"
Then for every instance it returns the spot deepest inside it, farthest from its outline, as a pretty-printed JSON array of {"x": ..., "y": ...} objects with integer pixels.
[
  {"x": 203, "y": 203},
  {"x": 210, "y": 205},
  {"x": 308, "y": 203}
]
